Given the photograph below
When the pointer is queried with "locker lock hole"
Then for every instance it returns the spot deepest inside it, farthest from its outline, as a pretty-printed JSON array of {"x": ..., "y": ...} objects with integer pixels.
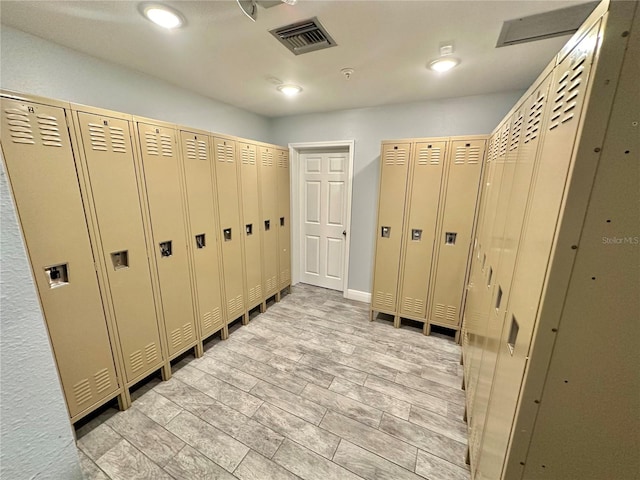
[
  {"x": 282, "y": 221},
  {"x": 166, "y": 249},
  {"x": 227, "y": 234},
  {"x": 450, "y": 238},
  {"x": 267, "y": 225},
  {"x": 200, "y": 241},
  {"x": 120, "y": 259},
  {"x": 513, "y": 334},
  {"x": 249, "y": 228},
  {"x": 57, "y": 275},
  {"x": 385, "y": 232},
  {"x": 416, "y": 234}
]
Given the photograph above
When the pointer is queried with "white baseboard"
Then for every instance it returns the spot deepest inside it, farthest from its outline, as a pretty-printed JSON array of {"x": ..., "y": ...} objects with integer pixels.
[{"x": 358, "y": 296}]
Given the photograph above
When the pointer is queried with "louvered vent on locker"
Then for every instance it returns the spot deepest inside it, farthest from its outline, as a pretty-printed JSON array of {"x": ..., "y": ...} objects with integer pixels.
[
  {"x": 504, "y": 141},
  {"x": 255, "y": 293},
  {"x": 103, "y": 140},
  {"x": 151, "y": 353},
  {"x": 135, "y": 359},
  {"x": 430, "y": 155},
  {"x": 151, "y": 143},
  {"x": 267, "y": 159},
  {"x": 517, "y": 129},
  {"x": 413, "y": 305},
  {"x": 468, "y": 154},
  {"x": 166, "y": 144},
  {"x": 385, "y": 300},
  {"x": 49, "y": 131},
  {"x": 568, "y": 91},
  {"x": 82, "y": 391},
  {"x": 225, "y": 153},
  {"x": 534, "y": 119},
  {"x": 395, "y": 156},
  {"x": 22, "y": 131},
  {"x": 187, "y": 332},
  {"x": 248, "y": 156},
  {"x": 176, "y": 338},
  {"x": 283, "y": 160},
  {"x": 192, "y": 151},
  {"x": 103, "y": 380}
]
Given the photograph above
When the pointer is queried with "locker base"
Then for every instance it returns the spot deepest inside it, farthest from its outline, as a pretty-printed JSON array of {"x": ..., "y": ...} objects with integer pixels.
[
  {"x": 224, "y": 333},
  {"x": 278, "y": 297},
  {"x": 263, "y": 307},
  {"x": 124, "y": 400},
  {"x": 427, "y": 330},
  {"x": 198, "y": 350},
  {"x": 165, "y": 372},
  {"x": 464, "y": 415}
]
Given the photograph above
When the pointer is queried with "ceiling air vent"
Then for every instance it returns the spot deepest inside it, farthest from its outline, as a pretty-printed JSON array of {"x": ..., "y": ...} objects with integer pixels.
[
  {"x": 304, "y": 37},
  {"x": 556, "y": 23}
]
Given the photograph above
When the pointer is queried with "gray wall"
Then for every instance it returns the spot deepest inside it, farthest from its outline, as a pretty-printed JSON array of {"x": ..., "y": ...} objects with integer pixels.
[
  {"x": 33, "y": 65},
  {"x": 368, "y": 127},
  {"x": 35, "y": 434}
]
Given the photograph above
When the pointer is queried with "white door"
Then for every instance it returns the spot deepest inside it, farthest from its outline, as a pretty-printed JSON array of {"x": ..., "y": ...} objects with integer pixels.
[{"x": 324, "y": 214}]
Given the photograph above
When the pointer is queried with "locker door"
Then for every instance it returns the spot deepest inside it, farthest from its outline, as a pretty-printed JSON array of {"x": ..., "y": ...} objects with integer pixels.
[
  {"x": 40, "y": 164},
  {"x": 229, "y": 215},
  {"x": 197, "y": 159},
  {"x": 284, "y": 222},
  {"x": 251, "y": 219},
  {"x": 464, "y": 169},
  {"x": 269, "y": 220},
  {"x": 427, "y": 166},
  {"x": 162, "y": 174},
  {"x": 108, "y": 154},
  {"x": 391, "y": 203}
]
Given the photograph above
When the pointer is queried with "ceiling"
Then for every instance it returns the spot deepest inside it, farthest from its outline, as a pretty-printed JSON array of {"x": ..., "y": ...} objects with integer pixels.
[{"x": 222, "y": 54}]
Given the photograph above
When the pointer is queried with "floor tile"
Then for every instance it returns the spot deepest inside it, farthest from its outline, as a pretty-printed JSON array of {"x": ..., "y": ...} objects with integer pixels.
[
  {"x": 370, "y": 466},
  {"x": 208, "y": 440},
  {"x": 334, "y": 368},
  {"x": 307, "y": 410},
  {"x": 185, "y": 396},
  {"x": 124, "y": 462},
  {"x": 454, "y": 429},
  {"x": 308, "y": 465},
  {"x": 373, "y": 398},
  {"x": 158, "y": 408},
  {"x": 98, "y": 441},
  {"x": 256, "y": 467},
  {"x": 306, "y": 434},
  {"x": 410, "y": 395},
  {"x": 455, "y": 395},
  {"x": 371, "y": 439},
  {"x": 189, "y": 464},
  {"x": 90, "y": 470},
  {"x": 430, "y": 466},
  {"x": 344, "y": 405},
  {"x": 305, "y": 372},
  {"x": 227, "y": 373}
]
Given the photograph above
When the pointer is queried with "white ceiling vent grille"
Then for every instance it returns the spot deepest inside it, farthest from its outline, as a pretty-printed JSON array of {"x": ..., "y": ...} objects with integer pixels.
[
  {"x": 304, "y": 37},
  {"x": 556, "y": 23}
]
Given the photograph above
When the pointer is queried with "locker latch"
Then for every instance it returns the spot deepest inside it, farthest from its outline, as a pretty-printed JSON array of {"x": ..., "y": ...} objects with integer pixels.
[
  {"x": 416, "y": 234},
  {"x": 267, "y": 225},
  {"x": 200, "y": 241},
  {"x": 227, "y": 234},
  {"x": 120, "y": 259},
  {"x": 282, "y": 221},
  {"x": 166, "y": 249},
  {"x": 450, "y": 238},
  {"x": 57, "y": 275},
  {"x": 385, "y": 232},
  {"x": 249, "y": 229}
]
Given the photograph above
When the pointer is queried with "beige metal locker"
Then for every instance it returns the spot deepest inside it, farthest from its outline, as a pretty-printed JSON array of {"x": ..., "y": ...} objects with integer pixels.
[
  {"x": 454, "y": 240},
  {"x": 226, "y": 174},
  {"x": 203, "y": 230},
  {"x": 40, "y": 163},
  {"x": 251, "y": 231},
  {"x": 391, "y": 205},
  {"x": 419, "y": 236},
  {"x": 108, "y": 159},
  {"x": 163, "y": 179},
  {"x": 284, "y": 221},
  {"x": 269, "y": 221}
]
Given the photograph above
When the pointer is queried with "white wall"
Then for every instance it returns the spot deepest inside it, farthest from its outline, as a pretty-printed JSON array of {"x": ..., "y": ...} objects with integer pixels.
[
  {"x": 30, "y": 64},
  {"x": 368, "y": 127},
  {"x": 35, "y": 434}
]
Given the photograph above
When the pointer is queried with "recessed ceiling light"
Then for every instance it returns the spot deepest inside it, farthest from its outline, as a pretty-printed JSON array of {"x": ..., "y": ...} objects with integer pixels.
[
  {"x": 290, "y": 90},
  {"x": 290, "y": 2},
  {"x": 444, "y": 64},
  {"x": 162, "y": 15}
]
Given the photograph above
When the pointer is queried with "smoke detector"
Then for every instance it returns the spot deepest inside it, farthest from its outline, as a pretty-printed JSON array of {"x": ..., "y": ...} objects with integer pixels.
[{"x": 347, "y": 72}]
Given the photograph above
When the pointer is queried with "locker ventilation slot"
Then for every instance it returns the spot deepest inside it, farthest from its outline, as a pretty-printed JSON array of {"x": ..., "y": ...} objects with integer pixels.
[
  {"x": 534, "y": 119},
  {"x": 166, "y": 144},
  {"x": 469, "y": 155},
  {"x": 187, "y": 331},
  {"x": 452, "y": 314},
  {"x": 429, "y": 156},
  {"x": 151, "y": 352},
  {"x": 102, "y": 379},
  {"x": 19, "y": 126},
  {"x": 255, "y": 293},
  {"x": 515, "y": 136},
  {"x": 248, "y": 157},
  {"x": 136, "y": 360},
  {"x": 207, "y": 320},
  {"x": 97, "y": 137},
  {"x": 304, "y": 37},
  {"x": 82, "y": 392},
  {"x": 49, "y": 131},
  {"x": 395, "y": 157},
  {"x": 413, "y": 305},
  {"x": 504, "y": 141},
  {"x": 285, "y": 277},
  {"x": 567, "y": 93},
  {"x": 271, "y": 284},
  {"x": 235, "y": 304},
  {"x": 384, "y": 300},
  {"x": 283, "y": 160},
  {"x": 225, "y": 152},
  {"x": 176, "y": 338},
  {"x": 151, "y": 142},
  {"x": 191, "y": 149},
  {"x": 118, "y": 142},
  {"x": 267, "y": 159},
  {"x": 439, "y": 311}
]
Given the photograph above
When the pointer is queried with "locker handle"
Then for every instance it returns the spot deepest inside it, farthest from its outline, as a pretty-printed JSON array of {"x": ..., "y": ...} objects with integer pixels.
[
  {"x": 249, "y": 229},
  {"x": 282, "y": 221},
  {"x": 120, "y": 259},
  {"x": 57, "y": 275},
  {"x": 513, "y": 334},
  {"x": 227, "y": 234},
  {"x": 450, "y": 238},
  {"x": 267, "y": 225},
  {"x": 166, "y": 249},
  {"x": 200, "y": 241},
  {"x": 416, "y": 234},
  {"x": 385, "y": 232}
]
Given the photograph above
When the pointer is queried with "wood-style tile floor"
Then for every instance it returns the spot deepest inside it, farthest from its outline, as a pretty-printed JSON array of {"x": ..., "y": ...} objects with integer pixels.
[{"x": 310, "y": 389}]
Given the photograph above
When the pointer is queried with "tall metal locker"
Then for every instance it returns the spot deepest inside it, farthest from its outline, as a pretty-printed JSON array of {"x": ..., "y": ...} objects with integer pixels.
[
  {"x": 251, "y": 231},
  {"x": 40, "y": 164},
  {"x": 226, "y": 175},
  {"x": 284, "y": 222},
  {"x": 107, "y": 154},
  {"x": 423, "y": 200},
  {"x": 269, "y": 221},
  {"x": 453, "y": 242},
  {"x": 391, "y": 205},
  {"x": 159, "y": 147},
  {"x": 203, "y": 231}
]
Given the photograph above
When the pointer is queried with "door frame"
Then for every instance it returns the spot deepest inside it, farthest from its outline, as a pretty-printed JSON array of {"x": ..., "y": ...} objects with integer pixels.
[{"x": 295, "y": 150}]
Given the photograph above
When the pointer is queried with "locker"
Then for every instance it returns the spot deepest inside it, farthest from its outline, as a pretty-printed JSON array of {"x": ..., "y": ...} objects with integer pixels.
[
  {"x": 454, "y": 235},
  {"x": 40, "y": 164},
  {"x": 108, "y": 159},
  {"x": 226, "y": 174},
  {"x": 269, "y": 220},
  {"x": 203, "y": 230},
  {"x": 251, "y": 231},
  {"x": 423, "y": 203},
  {"x": 391, "y": 205},
  {"x": 163, "y": 179},
  {"x": 284, "y": 221}
]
